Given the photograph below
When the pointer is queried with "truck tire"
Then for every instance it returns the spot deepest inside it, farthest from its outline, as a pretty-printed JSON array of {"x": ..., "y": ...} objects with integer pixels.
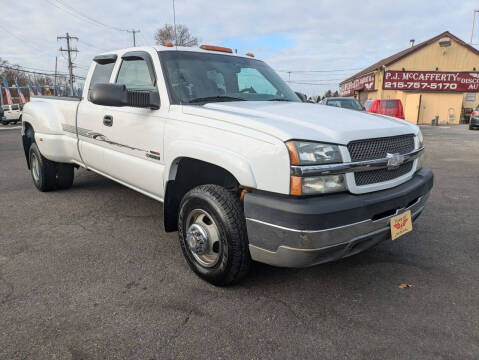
[
  {"x": 43, "y": 171},
  {"x": 5, "y": 123},
  {"x": 212, "y": 234}
]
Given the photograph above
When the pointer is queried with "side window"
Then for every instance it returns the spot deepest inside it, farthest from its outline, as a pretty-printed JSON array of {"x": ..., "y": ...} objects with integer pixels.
[
  {"x": 135, "y": 75},
  {"x": 101, "y": 74},
  {"x": 249, "y": 78}
]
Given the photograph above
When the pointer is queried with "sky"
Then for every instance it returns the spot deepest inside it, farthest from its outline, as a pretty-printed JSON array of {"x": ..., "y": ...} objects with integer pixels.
[{"x": 320, "y": 42}]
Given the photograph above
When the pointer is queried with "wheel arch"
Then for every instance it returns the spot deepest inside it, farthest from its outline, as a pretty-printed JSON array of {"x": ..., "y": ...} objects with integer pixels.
[
  {"x": 186, "y": 173},
  {"x": 28, "y": 138}
]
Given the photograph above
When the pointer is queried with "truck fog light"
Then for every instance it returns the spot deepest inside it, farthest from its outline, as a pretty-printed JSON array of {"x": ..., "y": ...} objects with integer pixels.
[{"x": 323, "y": 184}]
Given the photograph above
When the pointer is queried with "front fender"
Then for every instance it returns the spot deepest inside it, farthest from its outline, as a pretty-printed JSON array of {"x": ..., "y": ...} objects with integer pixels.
[{"x": 236, "y": 164}]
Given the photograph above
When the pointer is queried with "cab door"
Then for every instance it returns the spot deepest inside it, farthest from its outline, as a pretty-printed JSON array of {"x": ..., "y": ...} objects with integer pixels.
[
  {"x": 90, "y": 117},
  {"x": 133, "y": 148}
]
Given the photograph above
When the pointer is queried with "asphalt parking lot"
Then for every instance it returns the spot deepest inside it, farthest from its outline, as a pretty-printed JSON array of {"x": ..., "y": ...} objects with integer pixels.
[{"x": 88, "y": 273}]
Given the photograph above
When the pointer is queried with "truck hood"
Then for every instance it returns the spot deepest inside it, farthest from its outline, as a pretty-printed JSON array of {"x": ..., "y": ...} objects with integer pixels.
[{"x": 305, "y": 121}]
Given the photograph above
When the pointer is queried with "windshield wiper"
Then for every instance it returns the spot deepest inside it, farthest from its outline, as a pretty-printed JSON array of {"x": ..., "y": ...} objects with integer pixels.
[
  {"x": 215, "y": 99},
  {"x": 279, "y": 99}
]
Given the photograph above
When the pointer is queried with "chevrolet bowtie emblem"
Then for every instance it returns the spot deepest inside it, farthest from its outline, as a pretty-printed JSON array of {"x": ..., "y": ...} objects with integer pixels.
[{"x": 394, "y": 160}]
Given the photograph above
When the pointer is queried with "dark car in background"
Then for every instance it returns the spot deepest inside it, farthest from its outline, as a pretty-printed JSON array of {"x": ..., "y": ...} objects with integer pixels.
[
  {"x": 474, "y": 121},
  {"x": 343, "y": 102}
]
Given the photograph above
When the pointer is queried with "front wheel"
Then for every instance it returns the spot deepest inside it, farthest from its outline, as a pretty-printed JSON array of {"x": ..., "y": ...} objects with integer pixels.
[
  {"x": 5, "y": 123},
  {"x": 212, "y": 233}
]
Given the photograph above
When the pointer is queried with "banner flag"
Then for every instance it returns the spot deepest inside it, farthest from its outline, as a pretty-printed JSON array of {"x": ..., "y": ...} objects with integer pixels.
[
  {"x": 7, "y": 91},
  {"x": 57, "y": 90},
  {"x": 30, "y": 89},
  {"x": 1, "y": 95},
  {"x": 39, "y": 88},
  {"x": 69, "y": 93},
  {"x": 20, "y": 94}
]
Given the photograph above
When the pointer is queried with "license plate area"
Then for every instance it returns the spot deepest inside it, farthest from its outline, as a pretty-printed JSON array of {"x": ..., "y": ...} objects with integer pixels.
[{"x": 401, "y": 224}]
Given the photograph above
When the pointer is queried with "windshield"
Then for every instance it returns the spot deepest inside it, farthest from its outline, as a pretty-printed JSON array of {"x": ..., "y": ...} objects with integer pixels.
[
  {"x": 195, "y": 78},
  {"x": 346, "y": 104}
]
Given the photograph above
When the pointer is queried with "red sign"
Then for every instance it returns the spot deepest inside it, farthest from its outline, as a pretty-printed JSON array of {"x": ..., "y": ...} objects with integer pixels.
[
  {"x": 365, "y": 82},
  {"x": 446, "y": 81}
]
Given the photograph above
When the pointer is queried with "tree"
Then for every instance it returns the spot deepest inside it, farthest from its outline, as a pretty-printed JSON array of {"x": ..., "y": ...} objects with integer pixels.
[
  {"x": 328, "y": 93},
  {"x": 183, "y": 36},
  {"x": 336, "y": 94}
]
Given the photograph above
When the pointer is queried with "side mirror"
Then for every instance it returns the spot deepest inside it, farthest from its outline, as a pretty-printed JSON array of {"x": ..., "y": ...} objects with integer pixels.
[
  {"x": 109, "y": 95},
  {"x": 119, "y": 95},
  {"x": 144, "y": 99}
]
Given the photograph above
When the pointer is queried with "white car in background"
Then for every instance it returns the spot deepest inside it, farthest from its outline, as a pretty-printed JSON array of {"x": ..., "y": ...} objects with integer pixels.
[{"x": 12, "y": 114}]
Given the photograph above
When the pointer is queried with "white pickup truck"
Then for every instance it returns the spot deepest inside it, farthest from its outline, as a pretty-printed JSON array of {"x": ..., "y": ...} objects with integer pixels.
[{"x": 245, "y": 170}]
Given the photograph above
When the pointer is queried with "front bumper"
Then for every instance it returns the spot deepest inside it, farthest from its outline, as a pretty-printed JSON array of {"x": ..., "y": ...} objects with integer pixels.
[{"x": 298, "y": 232}]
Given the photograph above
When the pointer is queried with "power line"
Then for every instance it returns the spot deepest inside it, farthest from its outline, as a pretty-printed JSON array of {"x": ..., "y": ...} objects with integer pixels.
[
  {"x": 39, "y": 48},
  {"x": 315, "y": 80},
  {"x": 20, "y": 68},
  {"x": 317, "y": 71},
  {"x": 307, "y": 83}
]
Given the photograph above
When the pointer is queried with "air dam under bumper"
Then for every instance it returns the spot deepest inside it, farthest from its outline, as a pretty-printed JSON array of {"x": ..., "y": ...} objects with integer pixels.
[{"x": 298, "y": 232}]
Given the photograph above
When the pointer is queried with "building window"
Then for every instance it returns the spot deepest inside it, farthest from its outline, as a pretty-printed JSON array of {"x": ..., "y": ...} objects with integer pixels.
[{"x": 471, "y": 97}]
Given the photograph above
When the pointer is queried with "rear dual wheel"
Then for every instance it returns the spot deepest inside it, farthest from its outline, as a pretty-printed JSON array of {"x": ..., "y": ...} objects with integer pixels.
[{"x": 49, "y": 175}]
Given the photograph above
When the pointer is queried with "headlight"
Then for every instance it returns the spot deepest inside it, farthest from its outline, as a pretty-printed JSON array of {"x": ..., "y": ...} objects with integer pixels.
[
  {"x": 420, "y": 159},
  {"x": 420, "y": 138},
  {"x": 312, "y": 153}
]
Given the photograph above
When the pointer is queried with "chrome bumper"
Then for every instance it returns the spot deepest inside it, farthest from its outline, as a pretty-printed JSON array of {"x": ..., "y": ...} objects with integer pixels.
[{"x": 301, "y": 248}]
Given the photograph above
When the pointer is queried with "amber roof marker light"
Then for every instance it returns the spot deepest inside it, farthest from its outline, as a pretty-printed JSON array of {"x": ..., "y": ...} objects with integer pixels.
[
  {"x": 168, "y": 44},
  {"x": 216, "y": 48},
  {"x": 250, "y": 54}
]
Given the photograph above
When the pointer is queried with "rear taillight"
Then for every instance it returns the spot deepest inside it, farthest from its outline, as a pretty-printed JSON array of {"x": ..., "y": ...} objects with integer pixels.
[{"x": 475, "y": 113}]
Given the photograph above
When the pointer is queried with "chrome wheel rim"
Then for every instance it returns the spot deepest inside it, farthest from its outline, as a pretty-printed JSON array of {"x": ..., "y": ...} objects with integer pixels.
[
  {"x": 202, "y": 238},
  {"x": 35, "y": 167}
]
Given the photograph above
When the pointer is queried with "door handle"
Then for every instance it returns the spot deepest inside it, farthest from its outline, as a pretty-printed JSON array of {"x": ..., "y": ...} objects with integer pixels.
[{"x": 108, "y": 120}]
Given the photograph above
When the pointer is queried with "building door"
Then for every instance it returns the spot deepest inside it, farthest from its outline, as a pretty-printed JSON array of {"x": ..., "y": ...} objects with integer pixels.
[
  {"x": 412, "y": 106},
  {"x": 447, "y": 106}
]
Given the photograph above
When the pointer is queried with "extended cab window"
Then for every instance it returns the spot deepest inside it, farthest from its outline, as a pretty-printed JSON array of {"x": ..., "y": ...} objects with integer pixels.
[
  {"x": 101, "y": 74},
  {"x": 15, "y": 107},
  {"x": 135, "y": 75}
]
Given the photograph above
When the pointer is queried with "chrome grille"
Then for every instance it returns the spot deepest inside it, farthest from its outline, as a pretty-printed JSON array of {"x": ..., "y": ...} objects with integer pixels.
[
  {"x": 376, "y": 149},
  {"x": 380, "y": 175}
]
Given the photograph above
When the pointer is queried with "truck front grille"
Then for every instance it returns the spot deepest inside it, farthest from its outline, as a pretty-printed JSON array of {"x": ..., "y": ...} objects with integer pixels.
[
  {"x": 381, "y": 175},
  {"x": 378, "y": 148}
]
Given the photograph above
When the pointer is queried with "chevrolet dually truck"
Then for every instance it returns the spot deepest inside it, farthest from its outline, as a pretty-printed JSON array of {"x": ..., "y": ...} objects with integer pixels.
[{"x": 244, "y": 169}]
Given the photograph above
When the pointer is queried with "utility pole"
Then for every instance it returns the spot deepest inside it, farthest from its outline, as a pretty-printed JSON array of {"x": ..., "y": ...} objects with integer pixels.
[
  {"x": 69, "y": 50},
  {"x": 56, "y": 65},
  {"x": 134, "y": 35},
  {"x": 473, "y": 23}
]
